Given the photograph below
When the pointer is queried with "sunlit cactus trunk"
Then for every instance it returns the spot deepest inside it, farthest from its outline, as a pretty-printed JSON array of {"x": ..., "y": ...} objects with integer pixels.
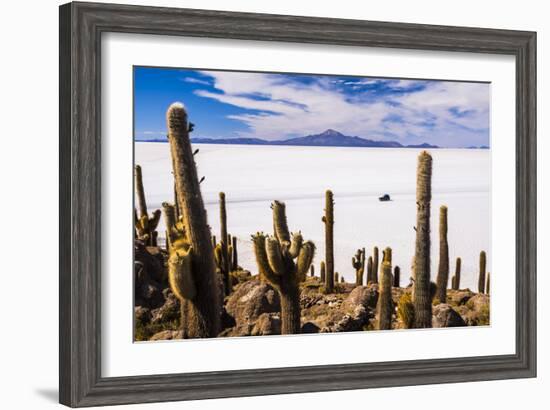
[
  {"x": 443, "y": 270},
  {"x": 140, "y": 192},
  {"x": 375, "y": 265},
  {"x": 328, "y": 220},
  {"x": 322, "y": 272},
  {"x": 191, "y": 258},
  {"x": 456, "y": 277},
  {"x": 488, "y": 285},
  {"x": 385, "y": 304},
  {"x": 482, "y": 267},
  {"x": 405, "y": 311},
  {"x": 225, "y": 267},
  {"x": 284, "y": 262},
  {"x": 422, "y": 298},
  {"x": 145, "y": 225}
]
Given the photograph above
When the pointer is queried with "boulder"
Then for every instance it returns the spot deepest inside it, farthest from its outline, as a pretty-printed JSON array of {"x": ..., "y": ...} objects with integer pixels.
[
  {"x": 168, "y": 312},
  {"x": 250, "y": 300},
  {"x": 445, "y": 316},
  {"x": 365, "y": 296},
  {"x": 310, "y": 327},
  {"x": 167, "y": 335},
  {"x": 267, "y": 324}
]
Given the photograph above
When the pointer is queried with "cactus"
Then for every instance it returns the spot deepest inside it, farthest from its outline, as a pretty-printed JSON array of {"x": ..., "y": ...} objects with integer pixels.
[
  {"x": 396, "y": 277},
  {"x": 224, "y": 263},
  {"x": 234, "y": 255},
  {"x": 375, "y": 265},
  {"x": 443, "y": 271},
  {"x": 322, "y": 272},
  {"x": 456, "y": 276},
  {"x": 482, "y": 266},
  {"x": 488, "y": 285},
  {"x": 369, "y": 270},
  {"x": 192, "y": 274},
  {"x": 405, "y": 311},
  {"x": 174, "y": 227},
  {"x": 283, "y": 262},
  {"x": 422, "y": 300},
  {"x": 328, "y": 220},
  {"x": 358, "y": 263},
  {"x": 312, "y": 270},
  {"x": 336, "y": 277},
  {"x": 386, "y": 255},
  {"x": 342, "y": 279},
  {"x": 385, "y": 304},
  {"x": 145, "y": 225}
]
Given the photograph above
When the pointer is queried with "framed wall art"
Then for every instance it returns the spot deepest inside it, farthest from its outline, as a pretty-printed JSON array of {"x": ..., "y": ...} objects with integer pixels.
[{"x": 262, "y": 204}]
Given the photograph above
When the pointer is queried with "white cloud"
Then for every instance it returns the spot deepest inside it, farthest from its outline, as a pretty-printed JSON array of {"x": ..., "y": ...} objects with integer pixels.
[
  {"x": 196, "y": 81},
  {"x": 444, "y": 113}
]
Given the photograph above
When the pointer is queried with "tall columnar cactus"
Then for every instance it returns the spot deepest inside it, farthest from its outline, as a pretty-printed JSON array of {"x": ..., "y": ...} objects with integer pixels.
[
  {"x": 283, "y": 261},
  {"x": 312, "y": 270},
  {"x": 385, "y": 304},
  {"x": 191, "y": 270},
  {"x": 422, "y": 299},
  {"x": 224, "y": 261},
  {"x": 443, "y": 270},
  {"x": 235, "y": 255},
  {"x": 488, "y": 285},
  {"x": 405, "y": 311},
  {"x": 358, "y": 263},
  {"x": 328, "y": 220},
  {"x": 456, "y": 277},
  {"x": 396, "y": 277},
  {"x": 145, "y": 225},
  {"x": 322, "y": 272},
  {"x": 370, "y": 269},
  {"x": 482, "y": 267},
  {"x": 375, "y": 265},
  {"x": 336, "y": 277}
]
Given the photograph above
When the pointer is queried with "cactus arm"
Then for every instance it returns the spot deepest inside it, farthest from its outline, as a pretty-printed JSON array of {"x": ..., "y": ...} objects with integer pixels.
[
  {"x": 180, "y": 274},
  {"x": 280, "y": 225},
  {"x": 264, "y": 268},
  {"x": 305, "y": 258},
  {"x": 295, "y": 244},
  {"x": 275, "y": 256}
]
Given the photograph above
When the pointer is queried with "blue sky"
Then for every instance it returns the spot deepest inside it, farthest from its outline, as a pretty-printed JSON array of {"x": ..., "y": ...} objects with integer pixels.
[{"x": 225, "y": 104}]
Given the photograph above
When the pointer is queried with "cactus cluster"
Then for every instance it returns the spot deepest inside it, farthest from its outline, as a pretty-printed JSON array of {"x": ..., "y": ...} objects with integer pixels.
[{"x": 283, "y": 261}]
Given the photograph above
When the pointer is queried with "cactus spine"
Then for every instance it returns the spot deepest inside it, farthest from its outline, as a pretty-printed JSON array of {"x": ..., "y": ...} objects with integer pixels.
[
  {"x": 396, "y": 277},
  {"x": 482, "y": 266},
  {"x": 358, "y": 263},
  {"x": 322, "y": 272},
  {"x": 456, "y": 277},
  {"x": 375, "y": 265},
  {"x": 191, "y": 264},
  {"x": 422, "y": 299},
  {"x": 443, "y": 271},
  {"x": 275, "y": 256},
  {"x": 385, "y": 304},
  {"x": 328, "y": 220}
]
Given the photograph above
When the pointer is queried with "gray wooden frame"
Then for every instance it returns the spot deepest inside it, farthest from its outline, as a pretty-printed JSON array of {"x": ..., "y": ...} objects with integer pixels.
[{"x": 81, "y": 27}]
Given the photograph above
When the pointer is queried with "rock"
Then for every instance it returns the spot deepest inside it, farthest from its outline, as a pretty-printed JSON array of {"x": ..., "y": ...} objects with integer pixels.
[
  {"x": 476, "y": 312},
  {"x": 267, "y": 324},
  {"x": 167, "y": 335},
  {"x": 459, "y": 297},
  {"x": 445, "y": 316},
  {"x": 310, "y": 327},
  {"x": 168, "y": 312},
  {"x": 365, "y": 296},
  {"x": 250, "y": 300},
  {"x": 350, "y": 322},
  {"x": 142, "y": 314}
]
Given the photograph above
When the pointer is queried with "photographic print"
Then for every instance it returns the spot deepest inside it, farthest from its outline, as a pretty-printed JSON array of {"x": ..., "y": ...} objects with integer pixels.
[{"x": 281, "y": 203}]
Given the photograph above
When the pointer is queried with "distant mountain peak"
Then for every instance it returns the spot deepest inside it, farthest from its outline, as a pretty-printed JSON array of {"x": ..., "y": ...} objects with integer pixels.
[{"x": 331, "y": 133}]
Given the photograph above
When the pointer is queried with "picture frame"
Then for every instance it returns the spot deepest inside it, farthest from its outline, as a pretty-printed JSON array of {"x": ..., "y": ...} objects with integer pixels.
[{"x": 81, "y": 27}]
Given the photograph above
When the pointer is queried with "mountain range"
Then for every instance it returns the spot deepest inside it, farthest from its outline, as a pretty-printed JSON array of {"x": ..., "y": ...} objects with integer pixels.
[{"x": 328, "y": 138}]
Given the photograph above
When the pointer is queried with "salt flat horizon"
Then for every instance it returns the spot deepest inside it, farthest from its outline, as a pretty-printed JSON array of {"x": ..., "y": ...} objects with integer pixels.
[{"x": 252, "y": 176}]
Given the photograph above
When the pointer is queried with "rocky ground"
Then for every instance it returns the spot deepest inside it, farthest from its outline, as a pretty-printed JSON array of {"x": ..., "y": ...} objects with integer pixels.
[{"x": 253, "y": 307}]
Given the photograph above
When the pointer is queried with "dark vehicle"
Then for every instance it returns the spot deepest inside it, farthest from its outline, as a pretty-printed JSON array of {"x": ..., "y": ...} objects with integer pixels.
[{"x": 384, "y": 198}]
